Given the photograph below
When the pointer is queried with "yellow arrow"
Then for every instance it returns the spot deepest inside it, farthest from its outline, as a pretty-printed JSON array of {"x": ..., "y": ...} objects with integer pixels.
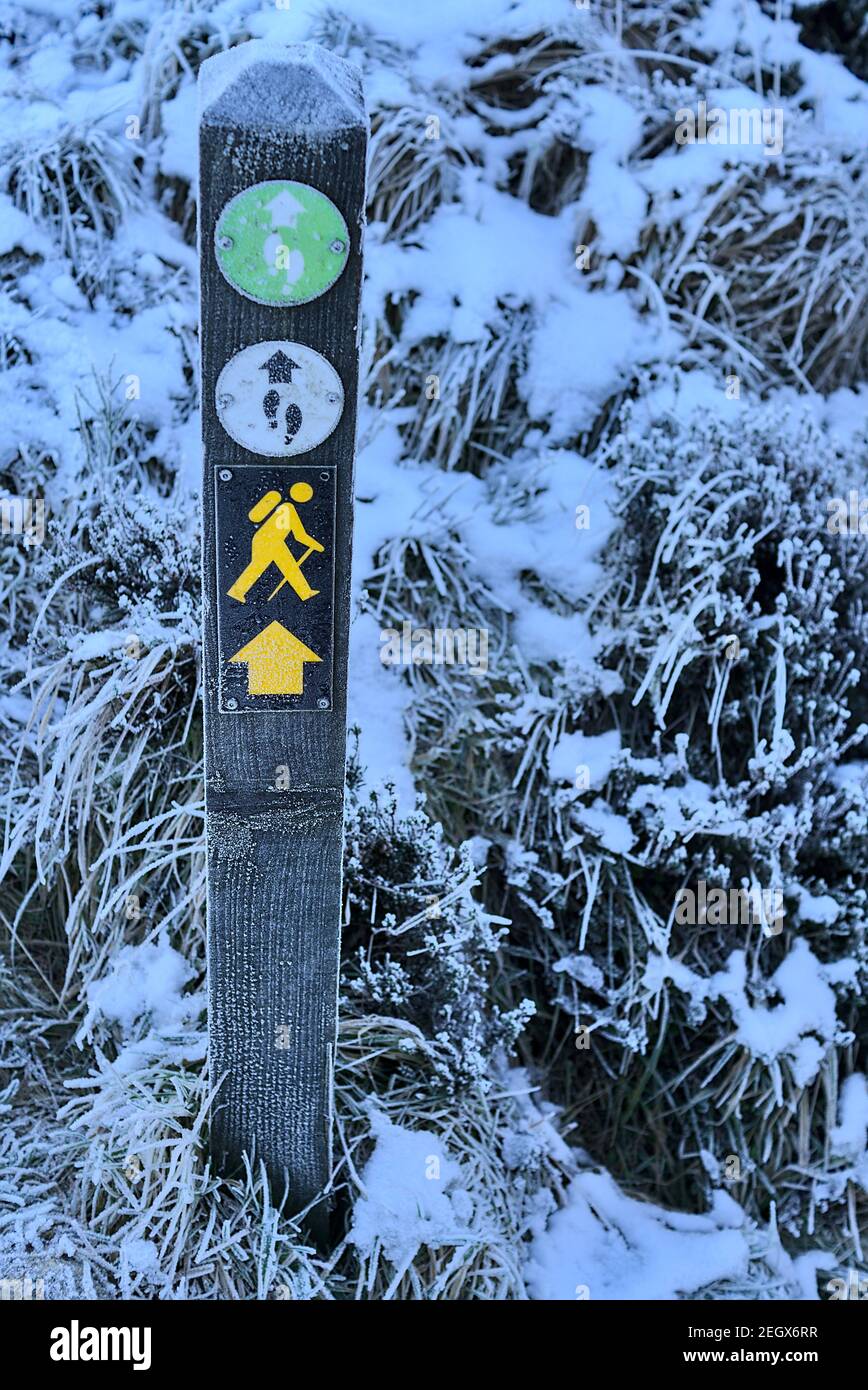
[{"x": 275, "y": 661}]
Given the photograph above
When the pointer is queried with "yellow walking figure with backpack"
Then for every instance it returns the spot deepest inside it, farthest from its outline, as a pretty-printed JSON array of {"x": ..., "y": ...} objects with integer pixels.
[{"x": 269, "y": 547}]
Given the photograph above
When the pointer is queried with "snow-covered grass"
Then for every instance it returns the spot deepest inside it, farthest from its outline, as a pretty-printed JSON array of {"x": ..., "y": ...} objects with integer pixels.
[{"x": 612, "y": 384}]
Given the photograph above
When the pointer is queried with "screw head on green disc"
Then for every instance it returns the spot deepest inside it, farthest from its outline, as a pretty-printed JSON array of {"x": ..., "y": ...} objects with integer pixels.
[{"x": 281, "y": 242}]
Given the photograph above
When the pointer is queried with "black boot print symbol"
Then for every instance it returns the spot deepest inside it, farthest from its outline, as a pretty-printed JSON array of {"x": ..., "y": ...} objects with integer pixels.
[
  {"x": 269, "y": 405},
  {"x": 293, "y": 421}
]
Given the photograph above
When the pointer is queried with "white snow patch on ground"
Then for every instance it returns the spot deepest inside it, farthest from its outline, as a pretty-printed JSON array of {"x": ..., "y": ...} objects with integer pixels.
[
  {"x": 145, "y": 981},
  {"x": 597, "y": 752},
  {"x": 581, "y": 352},
  {"x": 820, "y": 908},
  {"x": 413, "y": 1194},
  {"x": 613, "y": 831},
  {"x": 180, "y": 152},
  {"x": 850, "y": 1135},
  {"x": 603, "y": 1244},
  {"x": 377, "y": 701}
]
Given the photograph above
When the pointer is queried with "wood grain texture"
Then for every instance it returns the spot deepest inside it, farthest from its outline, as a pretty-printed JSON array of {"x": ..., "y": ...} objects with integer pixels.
[{"x": 274, "y": 857}]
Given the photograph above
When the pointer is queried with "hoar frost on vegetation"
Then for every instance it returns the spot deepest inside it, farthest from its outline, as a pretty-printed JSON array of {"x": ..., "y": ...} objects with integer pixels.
[{"x": 611, "y": 384}]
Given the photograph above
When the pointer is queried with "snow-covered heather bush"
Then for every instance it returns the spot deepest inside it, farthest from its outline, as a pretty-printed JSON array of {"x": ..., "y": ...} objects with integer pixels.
[
  {"x": 611, "y": 385},
  {"x": 734, "y": 626},
  {"x": 77, "y": 185},
  {"x": 429, "y": 951}
]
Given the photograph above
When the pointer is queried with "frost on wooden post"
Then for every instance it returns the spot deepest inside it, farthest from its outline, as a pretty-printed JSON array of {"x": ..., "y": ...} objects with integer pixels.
[
  {"x": 274, "y": 688},
  {"x": 301, "y": 88}
]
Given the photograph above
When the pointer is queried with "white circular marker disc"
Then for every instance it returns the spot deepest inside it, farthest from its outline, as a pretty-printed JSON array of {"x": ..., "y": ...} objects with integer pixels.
[{"x": 279, "y": 398}]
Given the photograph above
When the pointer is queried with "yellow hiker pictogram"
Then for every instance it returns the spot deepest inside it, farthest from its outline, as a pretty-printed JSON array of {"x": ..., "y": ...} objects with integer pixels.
[
  {"x": 269, "y": 546},
  {"x": 275, "y": 661}
]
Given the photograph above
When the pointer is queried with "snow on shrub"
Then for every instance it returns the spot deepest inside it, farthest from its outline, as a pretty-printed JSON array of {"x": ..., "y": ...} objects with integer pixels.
[{"x": 592, "y": 357}]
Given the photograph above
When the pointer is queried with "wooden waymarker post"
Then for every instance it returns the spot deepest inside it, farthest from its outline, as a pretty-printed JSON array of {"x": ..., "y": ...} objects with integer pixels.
[{"x": 282, "y": 151}]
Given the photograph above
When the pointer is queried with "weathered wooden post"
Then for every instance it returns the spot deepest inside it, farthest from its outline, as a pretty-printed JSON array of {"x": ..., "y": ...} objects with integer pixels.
[{"x": 281, "y": 207}]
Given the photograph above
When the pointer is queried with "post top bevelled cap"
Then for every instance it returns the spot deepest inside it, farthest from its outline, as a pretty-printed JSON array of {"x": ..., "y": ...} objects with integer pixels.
[{"x": 300, "y": 86}]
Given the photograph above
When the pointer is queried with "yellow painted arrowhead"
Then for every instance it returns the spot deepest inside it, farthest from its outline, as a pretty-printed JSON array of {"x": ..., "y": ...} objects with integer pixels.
[{"x": 275, "y": 661}]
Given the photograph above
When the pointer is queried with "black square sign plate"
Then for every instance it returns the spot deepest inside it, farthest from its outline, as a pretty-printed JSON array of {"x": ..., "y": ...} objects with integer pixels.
[{"x": 275, "y": 530}]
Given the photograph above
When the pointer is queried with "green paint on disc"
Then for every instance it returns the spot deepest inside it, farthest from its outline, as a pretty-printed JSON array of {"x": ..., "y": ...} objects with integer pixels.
[{"x": 281, "y": 242}]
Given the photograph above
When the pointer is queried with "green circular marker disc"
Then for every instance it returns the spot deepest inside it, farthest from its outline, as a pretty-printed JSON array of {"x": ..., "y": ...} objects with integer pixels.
[{"x": 281, "y": 242}]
